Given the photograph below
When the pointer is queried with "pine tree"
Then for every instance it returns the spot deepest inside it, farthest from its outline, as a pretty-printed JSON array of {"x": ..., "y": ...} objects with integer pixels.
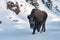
[
  {"x": 49, "y": 4},
  {"x": 33, "y": 2}
]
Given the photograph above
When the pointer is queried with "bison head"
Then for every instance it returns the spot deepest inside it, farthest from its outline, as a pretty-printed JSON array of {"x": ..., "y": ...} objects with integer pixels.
[{"x": 31, "y": 21}]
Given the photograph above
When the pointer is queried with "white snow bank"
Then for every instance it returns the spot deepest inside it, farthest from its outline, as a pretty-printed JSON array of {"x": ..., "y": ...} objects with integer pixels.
[{"x": 55, "y": 19}]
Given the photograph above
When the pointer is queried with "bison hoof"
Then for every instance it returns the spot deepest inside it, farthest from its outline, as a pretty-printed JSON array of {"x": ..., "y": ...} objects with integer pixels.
[
  {"x": 38, "y": 30},
  {"x": 33, "y": 33},
  {"x": 44, "y": 30}
]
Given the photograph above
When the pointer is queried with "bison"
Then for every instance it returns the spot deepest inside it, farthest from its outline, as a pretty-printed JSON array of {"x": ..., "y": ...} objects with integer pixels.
[{"x": 37, "y": 19}]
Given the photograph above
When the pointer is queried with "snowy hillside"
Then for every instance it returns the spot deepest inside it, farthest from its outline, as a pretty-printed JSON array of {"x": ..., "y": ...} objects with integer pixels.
[
  {"x": 54, "y": 6},
  {"x": 8, "y": 17},
  {"x": 16, "y": 27}
]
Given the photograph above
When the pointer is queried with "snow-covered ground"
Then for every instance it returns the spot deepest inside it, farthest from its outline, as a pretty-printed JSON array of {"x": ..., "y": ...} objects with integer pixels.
[{"x": 11, "y": 30}]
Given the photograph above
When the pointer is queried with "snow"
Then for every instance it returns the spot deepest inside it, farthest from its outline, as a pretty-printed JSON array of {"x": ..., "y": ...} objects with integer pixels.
[
  {"x": 12, "y": 30},
  {"x": 56, "y": 19}
]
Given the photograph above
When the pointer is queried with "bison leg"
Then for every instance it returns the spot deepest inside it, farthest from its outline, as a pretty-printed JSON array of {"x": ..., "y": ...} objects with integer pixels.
[
  {"x": 38, "y": 28},
  {"x": 34, "y": 29},
  {"x": 43, "y": 27}
]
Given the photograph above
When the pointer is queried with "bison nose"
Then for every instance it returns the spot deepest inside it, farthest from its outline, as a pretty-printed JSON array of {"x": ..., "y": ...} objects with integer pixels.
[{"x": 32, "y": 25}]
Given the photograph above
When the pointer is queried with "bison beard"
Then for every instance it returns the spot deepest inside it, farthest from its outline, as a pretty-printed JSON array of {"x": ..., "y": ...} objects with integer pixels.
[{"x": 39, "y": 18}]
